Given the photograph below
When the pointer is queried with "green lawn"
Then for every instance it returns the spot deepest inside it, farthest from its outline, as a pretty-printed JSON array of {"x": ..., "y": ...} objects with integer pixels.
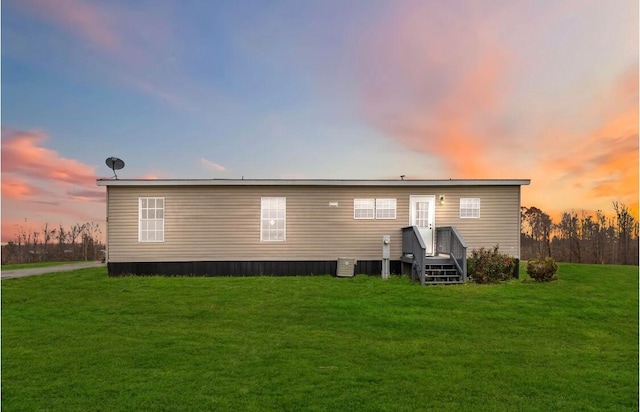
[{"x": 81, "y": 341}]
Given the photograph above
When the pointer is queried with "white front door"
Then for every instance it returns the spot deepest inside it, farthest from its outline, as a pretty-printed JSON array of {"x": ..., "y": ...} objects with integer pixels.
[{"x": 422, "y": 214}]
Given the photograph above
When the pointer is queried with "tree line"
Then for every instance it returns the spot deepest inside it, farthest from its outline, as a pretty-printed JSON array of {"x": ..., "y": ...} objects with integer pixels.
[
  {"x": 81, "y": 241},
  {"x": 581, "y": 238},
  {"x": 584, "y": 238}
]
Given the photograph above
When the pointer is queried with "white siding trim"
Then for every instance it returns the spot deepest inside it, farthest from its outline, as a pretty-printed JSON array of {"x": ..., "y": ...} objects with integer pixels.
[{"x": 312, "y": 182}]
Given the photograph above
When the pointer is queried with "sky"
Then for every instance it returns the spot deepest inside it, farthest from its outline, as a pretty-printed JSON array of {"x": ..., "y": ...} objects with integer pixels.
[{"x": 332, "y": 89}]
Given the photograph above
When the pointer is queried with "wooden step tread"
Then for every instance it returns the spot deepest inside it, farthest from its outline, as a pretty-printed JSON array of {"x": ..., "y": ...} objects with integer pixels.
[{"x": 451, "y": 273}]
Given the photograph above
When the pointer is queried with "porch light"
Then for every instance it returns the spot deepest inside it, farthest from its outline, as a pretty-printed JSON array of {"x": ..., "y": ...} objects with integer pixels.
[{"x": 442, "y": 199}]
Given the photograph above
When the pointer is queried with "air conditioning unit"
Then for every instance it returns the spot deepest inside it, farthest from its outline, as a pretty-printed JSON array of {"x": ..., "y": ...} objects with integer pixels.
[{"x": 346, "y": 267}]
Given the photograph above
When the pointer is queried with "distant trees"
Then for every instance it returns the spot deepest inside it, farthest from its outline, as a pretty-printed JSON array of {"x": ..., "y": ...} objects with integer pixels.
[
  {"x": 583, "y": 239},
  {"x": 49, "y": 243},
  {"x": 627, "y": 231},
  {"x": 537, "y": 227}
]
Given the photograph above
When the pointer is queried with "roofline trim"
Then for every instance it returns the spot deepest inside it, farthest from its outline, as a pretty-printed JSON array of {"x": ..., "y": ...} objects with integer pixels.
[{"x": 311, "y": 182}]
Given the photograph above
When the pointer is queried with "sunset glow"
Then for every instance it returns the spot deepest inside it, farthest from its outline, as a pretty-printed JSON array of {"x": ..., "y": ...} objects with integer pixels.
[{"x": 541, "y": 90}]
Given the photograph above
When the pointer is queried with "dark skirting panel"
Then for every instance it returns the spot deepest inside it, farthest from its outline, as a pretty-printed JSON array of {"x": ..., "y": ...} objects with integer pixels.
[{"x": 237, "y": 268}]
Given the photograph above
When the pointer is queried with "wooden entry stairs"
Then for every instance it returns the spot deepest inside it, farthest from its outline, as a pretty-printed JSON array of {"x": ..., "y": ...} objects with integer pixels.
[
  {"x": 439, "y": 270},
  {"x": 448, "y": 267}
]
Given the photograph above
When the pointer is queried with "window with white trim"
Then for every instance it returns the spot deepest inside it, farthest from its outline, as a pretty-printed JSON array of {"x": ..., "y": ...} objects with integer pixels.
[
  {"x": 151, "y": 219},
  {"x": 469, "y": 207},
  {"x": 364, "y": 208},
  {"x": 273, "y": 221},
  {"x": 386, "y": 208}
]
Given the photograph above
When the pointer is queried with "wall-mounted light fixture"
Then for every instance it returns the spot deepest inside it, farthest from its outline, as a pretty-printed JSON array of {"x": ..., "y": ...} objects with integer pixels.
[{"x": 441, "y": 199}]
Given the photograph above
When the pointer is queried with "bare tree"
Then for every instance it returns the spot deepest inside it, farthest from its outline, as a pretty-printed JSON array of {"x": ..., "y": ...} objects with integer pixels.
[
  {"x": 62, "y": 238},
  {"x": 569, "y": 236},
  {"x": 93, "y": 229},
  {"x": 590, "y": 234},
  {"x": 26, "y": 237},
  {"x": 36, "y": 241},
  {"x": 20, "y": 237},
  {"x": 626, "y": 224},
  {"x": 90, "y": 240},
  {"x": 76, "y": 230},
  {"x": 47, "y": 234},
  {"x": 600, "y": 234}
]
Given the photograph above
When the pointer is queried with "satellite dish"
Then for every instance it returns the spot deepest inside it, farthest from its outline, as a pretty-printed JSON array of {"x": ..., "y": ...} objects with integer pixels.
[{"x": 115, "y": 164}]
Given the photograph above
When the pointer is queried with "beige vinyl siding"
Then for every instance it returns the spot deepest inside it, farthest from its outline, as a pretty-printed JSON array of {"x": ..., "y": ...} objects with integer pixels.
[
  {"x": 209, "y": 223},
  {"x": 499, "y": 221}
]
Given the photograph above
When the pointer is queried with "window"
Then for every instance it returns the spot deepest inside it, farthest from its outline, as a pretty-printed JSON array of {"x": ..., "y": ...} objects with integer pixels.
[
  {"x": 364, "y": 208},
  {"x": 385, "y": 208},
  {"x": 374, "y": 208},
  {"x": 151, "y": 219},
  {"x": 273, "y": 221},
  {"x": 469, "y": 207}
]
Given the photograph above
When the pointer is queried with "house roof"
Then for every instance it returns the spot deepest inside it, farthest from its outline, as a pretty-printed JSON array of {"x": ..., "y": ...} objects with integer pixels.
[{"x": 312, "y": 182}]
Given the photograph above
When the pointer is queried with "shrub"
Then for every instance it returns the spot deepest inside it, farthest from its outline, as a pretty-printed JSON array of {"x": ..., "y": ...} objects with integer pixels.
[
  {"x": 542, "y": 270},
  {"x": 490, "y": 266}
]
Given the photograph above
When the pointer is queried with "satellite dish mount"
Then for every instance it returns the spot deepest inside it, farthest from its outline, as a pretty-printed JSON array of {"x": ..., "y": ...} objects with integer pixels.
[{"x": 115, "y": 164}]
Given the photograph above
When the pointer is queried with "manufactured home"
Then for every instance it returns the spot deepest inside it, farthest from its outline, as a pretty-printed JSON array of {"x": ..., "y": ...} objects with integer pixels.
[{"x": 244, "y": 227}]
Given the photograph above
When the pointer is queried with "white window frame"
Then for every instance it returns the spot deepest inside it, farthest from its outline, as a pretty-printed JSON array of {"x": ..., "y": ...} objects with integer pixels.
[
  {"x": 386, "y": 208},
  {"x": 469, "y": 208},
  {"x": 273, "y": 212},
  {"x": 364, "y": 209},
  {"x": 148, "y": 216}
]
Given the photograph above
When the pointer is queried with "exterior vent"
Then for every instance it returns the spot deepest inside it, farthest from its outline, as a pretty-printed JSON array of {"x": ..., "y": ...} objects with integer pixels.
[{"x": 346, "y": 267}]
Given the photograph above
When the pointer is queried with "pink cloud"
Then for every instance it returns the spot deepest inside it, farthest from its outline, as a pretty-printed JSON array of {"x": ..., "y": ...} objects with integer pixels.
[
  {"x": 444, "y": 82},
  {"x": 87, "y": 195},
  {"x": 168, "y": 97},
  {"x": 154, "y": 175},
  {"x": 16, "y": 188},
  {"x": 442, "y": 101},
  {"x": 23, "y": 154},
  {"x": 611, "y": 146},
  {"x": 12, "y": 228},
  {"x": 133, "y": 39},
  {"x": 40, "y": 185},
  {"x": 208, "y": 164},
  {"x": 594, "y": 168},
  {"x": 83, "y": 19}
]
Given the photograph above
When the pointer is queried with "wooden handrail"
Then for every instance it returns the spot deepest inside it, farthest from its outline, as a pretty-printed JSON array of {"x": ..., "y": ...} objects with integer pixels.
[
  {"x": 413, "y": 244},
  {"x": 449, "y": 241}
]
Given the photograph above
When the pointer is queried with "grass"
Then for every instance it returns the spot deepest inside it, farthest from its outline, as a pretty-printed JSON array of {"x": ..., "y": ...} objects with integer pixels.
[
  {"x": 81, "y": 341},
  {"x": 36, "y": 265}
]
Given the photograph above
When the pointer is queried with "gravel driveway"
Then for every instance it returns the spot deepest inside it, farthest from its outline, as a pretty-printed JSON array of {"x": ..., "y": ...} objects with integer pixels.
[{"x": 20, "y": 273}]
